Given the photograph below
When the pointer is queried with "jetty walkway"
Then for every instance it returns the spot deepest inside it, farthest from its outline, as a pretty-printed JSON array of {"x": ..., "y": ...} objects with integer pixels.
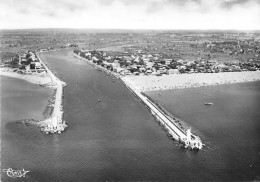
[
  {"x": 55, "y": 124},
  {"x": 188, "y": 139}
]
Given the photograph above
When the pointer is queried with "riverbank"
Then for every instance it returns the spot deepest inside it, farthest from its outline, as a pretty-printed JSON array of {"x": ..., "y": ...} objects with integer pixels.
[
  {"x": 179, "y": 81},
  {"x": 118, "y": 139},
  {"x": 172, "y": 126}
]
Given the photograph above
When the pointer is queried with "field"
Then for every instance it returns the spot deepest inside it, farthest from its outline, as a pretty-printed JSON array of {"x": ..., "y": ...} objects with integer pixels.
[{"x": 186, "y": 45}]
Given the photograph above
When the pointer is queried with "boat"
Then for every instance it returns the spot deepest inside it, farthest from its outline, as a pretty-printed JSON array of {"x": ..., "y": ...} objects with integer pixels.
[{"x": 208, "y": 103}]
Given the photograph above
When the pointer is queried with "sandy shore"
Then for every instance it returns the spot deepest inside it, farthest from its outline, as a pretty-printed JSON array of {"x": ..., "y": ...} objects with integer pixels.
[
  {"x": 178, "y": 81},
  {"x": 43, "y": 79},
  {"x": 55, "y": 122}
]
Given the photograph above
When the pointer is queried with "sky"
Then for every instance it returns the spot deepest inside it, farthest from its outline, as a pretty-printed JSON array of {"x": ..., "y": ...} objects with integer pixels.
[{"x": 131, "y": 14}]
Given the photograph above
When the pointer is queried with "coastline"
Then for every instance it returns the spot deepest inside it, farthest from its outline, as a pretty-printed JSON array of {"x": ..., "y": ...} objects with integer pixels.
[
  {"x": 54, "y": 122},
  {"x": 42, "y": 79},
  {"x": 174, "y": 126},
  {"x": 180, "y": 81},
  {"x": 171, "y": 124}
]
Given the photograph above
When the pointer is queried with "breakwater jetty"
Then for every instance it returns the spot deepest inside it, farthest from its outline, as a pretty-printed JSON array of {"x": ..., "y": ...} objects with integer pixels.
[
  {"x": 55, "y": 124},
  {"x": 188, "y": 139}
]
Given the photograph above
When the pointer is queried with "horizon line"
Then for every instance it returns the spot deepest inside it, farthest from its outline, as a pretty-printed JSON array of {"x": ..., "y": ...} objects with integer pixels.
[{"x": 138, "y": 29}]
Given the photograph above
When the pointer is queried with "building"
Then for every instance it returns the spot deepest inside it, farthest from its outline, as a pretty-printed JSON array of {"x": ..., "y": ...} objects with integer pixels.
[{"x": 172, "y": 71}]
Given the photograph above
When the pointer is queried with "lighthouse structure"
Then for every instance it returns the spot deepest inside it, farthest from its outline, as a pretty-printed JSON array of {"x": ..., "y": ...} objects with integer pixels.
[{"x": 191, "y": 141}]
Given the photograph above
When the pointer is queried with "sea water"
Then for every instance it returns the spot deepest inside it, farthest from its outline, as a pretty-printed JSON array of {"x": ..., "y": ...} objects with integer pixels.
[
  {"x": 117, "y": 139},
  {"x": 230, "y": 127}
]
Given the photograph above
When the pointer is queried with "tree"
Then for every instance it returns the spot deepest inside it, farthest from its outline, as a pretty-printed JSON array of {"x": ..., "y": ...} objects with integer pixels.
[
  {"x": 182, "y": 71},
  {"x": 99, "y": 62},
  {"x": 141, "y": 62},
  {"x": 123, "y": 63},
  {"x": 173, "y": 65},
  {"x": 32, "y": 66},
  {"x": 187, "y": 69},
  {"x": 15, "y": 60},
  {"x": 14, "y": 63},
  {"x": 76, "y": 51},
  {"x": 29, "y": 60},
  {"x": 82, "y": 54}
]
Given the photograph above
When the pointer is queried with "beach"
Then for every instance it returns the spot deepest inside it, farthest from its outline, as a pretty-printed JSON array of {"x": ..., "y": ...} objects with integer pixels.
[
  {"x": 179, "y": 81},
  {"x": 118, "y": 139},
  {"x": 54, "y": 123},
  {"x": 42, "y": 79}
]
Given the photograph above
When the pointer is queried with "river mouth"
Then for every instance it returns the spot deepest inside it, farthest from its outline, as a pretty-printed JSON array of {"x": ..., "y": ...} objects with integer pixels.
[{"x": 118, "y": 139}]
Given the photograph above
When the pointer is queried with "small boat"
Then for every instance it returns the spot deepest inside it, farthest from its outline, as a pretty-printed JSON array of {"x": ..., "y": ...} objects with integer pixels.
[
  {"x": 99, "y": 100},
  {"x": 208, "y": 103}
]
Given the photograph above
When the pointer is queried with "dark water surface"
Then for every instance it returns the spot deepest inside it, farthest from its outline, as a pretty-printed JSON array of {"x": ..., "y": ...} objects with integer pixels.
[
  {"x": 117, "y": 139},
  {"x": 230, "y": 128}
]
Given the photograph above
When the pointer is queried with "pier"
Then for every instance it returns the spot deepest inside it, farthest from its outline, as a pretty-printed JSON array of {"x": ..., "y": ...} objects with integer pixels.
[
  {"x": 55, "y": 124},
  {"x": 188, "y": 139}
]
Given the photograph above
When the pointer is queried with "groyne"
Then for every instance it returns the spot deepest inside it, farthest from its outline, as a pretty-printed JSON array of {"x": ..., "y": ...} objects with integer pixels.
[
  {"x": 55, "y": 123},
  {"x": 188, "y": 139}
]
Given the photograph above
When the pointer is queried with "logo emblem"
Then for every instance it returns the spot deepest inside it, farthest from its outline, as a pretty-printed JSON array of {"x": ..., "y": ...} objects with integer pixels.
[{"x": 15, "y": 173}]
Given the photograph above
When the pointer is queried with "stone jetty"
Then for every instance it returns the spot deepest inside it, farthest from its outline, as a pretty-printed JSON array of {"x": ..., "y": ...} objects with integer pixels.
[{"x": 55, "y": 124}]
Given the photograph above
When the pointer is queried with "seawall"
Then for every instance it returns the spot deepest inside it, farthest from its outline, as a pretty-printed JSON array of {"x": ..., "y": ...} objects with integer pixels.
[
  {"x": 187, "y": 138},
  {"x": 55, "y": 124},
  {"x": 169, "y": 124}
]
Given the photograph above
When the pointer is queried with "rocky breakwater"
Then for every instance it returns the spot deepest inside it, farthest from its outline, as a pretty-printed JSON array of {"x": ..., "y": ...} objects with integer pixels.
[
  {"x": 178, "y": 133},
  {"x": 55, "y": 123},
  {"x": 188, "y": 139}
]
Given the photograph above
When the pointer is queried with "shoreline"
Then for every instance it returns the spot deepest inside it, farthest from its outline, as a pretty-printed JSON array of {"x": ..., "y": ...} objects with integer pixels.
[
  {"x": 172, "y": 125},
  {"x": 53, "y": 113},
  {"x": 182, "y": 81},
  {"x": 55, "y": 123},
  {"x": 32, "y": 78}
]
